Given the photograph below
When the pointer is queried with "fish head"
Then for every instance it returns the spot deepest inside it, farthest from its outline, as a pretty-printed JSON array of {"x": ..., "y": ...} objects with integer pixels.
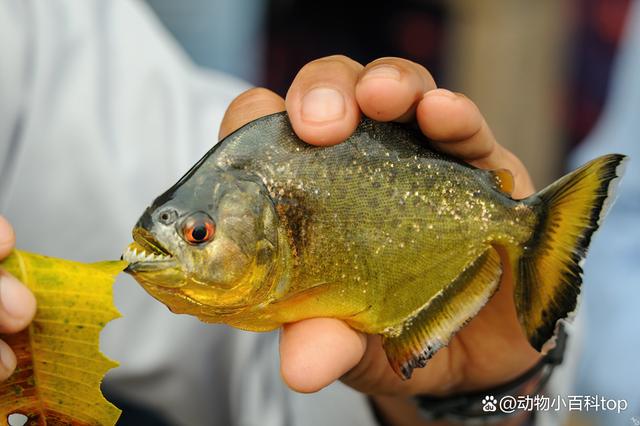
[{"x": 210, "y": 240}]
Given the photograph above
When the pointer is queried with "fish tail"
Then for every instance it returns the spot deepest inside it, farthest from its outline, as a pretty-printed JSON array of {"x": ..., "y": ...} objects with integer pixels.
[{"x": 549, "y": 271}]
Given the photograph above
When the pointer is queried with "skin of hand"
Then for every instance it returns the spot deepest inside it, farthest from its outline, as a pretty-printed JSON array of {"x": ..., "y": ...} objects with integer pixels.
[
  {"x": 325, "y": 103},
  {"x": 17, "y": 303}
]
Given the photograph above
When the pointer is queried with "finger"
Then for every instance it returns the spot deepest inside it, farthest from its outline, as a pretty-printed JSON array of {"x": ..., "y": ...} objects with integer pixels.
[
  {"x": 7, "y": 237},
  {"x": 316, "y": 352},
  {"x": 456, "y": 127},
  {"x": 249, "y": 105},
  {"x": 389, "y": 89},
  {"x": 321, "y": 101},
  {"x": 17, "y": 304},
  {"x": 7, "y": 361}
]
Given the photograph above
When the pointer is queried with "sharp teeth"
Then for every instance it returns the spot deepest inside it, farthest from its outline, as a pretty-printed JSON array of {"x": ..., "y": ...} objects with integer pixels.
[
  {"x": 132, "y": 256},
  {"x": 129, "y": 255}
]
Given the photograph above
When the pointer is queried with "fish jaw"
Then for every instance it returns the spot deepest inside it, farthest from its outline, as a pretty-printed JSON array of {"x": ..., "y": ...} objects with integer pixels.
[
  {"x": 152, "y": 265},
  {"x": 140, "y": 257}
]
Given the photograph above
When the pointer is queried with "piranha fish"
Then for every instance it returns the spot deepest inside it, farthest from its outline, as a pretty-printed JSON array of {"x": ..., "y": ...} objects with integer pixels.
[{"x": 380, "y": 231}]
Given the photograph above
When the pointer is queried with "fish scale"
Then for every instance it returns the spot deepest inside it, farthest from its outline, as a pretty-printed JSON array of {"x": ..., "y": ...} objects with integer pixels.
[{"x": 410, "y": 211}]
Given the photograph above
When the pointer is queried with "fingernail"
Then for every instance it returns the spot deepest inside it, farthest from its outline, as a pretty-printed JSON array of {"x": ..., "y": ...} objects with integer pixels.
[
  {"x": 15, "y": 298},
  {"x": 322, "y": 104},
  {"x": 383, "y": 71},
  {"x": 7, "y": 358}
]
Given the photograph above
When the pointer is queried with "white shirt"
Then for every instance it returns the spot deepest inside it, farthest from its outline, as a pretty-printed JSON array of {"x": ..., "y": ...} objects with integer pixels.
[{"x": 100, "y": 112}]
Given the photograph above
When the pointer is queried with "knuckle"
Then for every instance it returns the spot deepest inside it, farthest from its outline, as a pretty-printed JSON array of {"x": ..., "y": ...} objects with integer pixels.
[
  {"x": 342, "y": 59},
  {"x": 405, "y": 66},
  {"x": 339, "y": 63},
  {"x": 247, "y": 106},
  {"x": 391, "y": 60},
  {"x": 251, "y": 96},
  {"x": 388, "y": 59},
  {"x": 335, "y": 58}
]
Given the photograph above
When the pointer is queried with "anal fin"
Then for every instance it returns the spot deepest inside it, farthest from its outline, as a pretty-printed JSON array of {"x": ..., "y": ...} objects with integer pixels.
[{"x": 441, "y": 317}]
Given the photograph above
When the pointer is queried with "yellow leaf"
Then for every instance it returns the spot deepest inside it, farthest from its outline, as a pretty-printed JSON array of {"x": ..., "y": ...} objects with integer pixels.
[{"x": 60, "y": 366}]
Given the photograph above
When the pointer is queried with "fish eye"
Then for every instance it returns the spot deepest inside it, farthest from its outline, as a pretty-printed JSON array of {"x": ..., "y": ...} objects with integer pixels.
[
  {"x": 168, "y": 216},
  {"x": 198, "y": 228}
]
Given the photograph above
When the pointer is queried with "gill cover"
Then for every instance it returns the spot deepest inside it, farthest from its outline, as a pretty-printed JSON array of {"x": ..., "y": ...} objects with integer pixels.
[{"x": 221, "y": 228}]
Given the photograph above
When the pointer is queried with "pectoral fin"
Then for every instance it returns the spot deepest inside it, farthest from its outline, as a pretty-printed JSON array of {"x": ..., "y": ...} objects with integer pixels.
[{"x": 435, "y": 323}]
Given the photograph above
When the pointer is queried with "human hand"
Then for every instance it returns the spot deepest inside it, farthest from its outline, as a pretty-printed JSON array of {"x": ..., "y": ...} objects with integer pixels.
[
  {"x": 17, "y": 303},
  {"x": 324, "y": 103}
]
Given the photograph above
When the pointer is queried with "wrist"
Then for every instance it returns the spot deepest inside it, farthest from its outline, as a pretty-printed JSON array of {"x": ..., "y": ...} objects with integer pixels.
[
  {"x": 496, "y": 404},
  {"x": 476, "y": 407},
  {"x": 404, "y": 411}
]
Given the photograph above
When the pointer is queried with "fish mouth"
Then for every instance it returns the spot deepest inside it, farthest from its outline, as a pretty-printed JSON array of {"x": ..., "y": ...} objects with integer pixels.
[{"x": 145, "y": 254}]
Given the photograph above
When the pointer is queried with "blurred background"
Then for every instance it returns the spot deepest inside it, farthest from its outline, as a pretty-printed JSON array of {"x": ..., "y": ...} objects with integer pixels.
[{"x": 540, "y": 71}]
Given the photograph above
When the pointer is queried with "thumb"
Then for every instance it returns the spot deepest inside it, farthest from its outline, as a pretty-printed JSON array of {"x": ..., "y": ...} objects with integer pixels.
[{"x": 316, "y": 352}]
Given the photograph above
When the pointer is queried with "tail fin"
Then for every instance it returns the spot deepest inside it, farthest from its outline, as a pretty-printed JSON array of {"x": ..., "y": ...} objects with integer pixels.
[{"x": 549, "y": 272}]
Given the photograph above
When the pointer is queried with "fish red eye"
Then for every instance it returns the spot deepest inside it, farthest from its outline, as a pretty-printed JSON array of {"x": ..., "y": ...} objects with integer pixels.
[{"x": 198, "y": 228}]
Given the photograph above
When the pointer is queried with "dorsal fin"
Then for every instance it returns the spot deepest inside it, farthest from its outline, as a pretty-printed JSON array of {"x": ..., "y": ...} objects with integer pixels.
[{"x": 504, "y": 180}]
